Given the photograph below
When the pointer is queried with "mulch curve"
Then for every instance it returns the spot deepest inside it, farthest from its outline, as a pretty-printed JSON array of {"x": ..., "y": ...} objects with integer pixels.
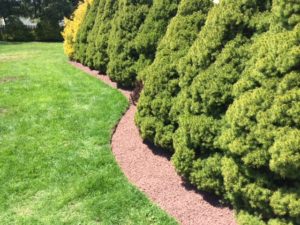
[{"x": 152, "y": 172}]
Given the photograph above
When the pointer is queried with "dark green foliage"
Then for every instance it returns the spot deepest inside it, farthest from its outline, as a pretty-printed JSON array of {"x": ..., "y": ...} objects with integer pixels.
[
  {"x": 153, "y": 30},
  {"x": 81, "y": 43},
  {"x": 161, "y": 78},
  {"x": 100, "y": 56},
  {"x": 49, "y": 13},
  {"x": 48, "y": 30},
  {"x": 15, "y": 31},
  {"x": 121, "y": 46}
]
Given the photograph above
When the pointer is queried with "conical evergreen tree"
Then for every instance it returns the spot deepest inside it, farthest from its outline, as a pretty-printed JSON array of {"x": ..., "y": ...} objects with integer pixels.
[
  {"x": 81, "y": 43},
  {"x": 207, "y": 75},
  {"x": 100, "y": 56},
  {"x": 153, "y": 29},
  {"x": 161, "y": 78},
  {"x": 72, "y": 26},
  {"x": 91, "y": 46},
  {"x": 125, "y": 26},
  {"x": 262, "y": 135}
]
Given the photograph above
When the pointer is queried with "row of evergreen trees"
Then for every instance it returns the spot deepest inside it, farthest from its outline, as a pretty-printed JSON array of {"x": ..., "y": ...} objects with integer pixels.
[{"x": 221, "y": 91}]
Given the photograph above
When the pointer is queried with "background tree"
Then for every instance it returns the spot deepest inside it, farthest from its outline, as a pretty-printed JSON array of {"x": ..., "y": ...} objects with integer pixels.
[{"x": 48, "y": 14}]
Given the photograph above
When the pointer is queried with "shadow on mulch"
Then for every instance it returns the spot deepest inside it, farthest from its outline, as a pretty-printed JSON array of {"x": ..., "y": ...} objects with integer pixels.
[
  {"x": 158, "y": 150},
  {"x": 212, "y": 199}
]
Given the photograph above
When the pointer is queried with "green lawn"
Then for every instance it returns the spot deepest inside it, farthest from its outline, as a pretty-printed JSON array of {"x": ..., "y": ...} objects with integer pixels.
[{"x": 56, "y": 165}]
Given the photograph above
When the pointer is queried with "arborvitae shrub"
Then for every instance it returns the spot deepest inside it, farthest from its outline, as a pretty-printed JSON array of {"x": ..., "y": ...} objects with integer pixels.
[
  {"x": 262, "y": 133},
  {"x": 152, "y": 31},
  {"x": 86, "y": 27},
  {"x": 100, "y": 56},
  {"x": 239, "y": 107},
  {"x": 130, "y": 16},
  {"x": 207, "y": 74},
  {"x": 161, "y": 78},
  {"x": 91, "y": 44},
  {"x": 72, "y": 26}
]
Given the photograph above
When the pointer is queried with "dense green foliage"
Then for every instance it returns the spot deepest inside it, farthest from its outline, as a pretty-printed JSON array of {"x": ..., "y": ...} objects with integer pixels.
[
  {"x": 161, "y": 78},
  {"x": 81, "y": 43},
  {"x": 152, "y": 30},
  {"x": 99, "y": 55},
  {"x": 56, "y": 164},
  {"x": 222, "y": 93},
  {"x": 238, "y": 109},
  {"x": 121, "y": 46},
  {"x": 91, "y": 47},
  {"x": 16, "y": 31}
]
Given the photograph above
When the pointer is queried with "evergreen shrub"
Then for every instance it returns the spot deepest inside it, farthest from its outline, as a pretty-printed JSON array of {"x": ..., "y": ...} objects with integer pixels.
[
  {"x": 161, "y": 78},
  {"x": 72, "y": 26},
  {"x": 122, "y": 53}
]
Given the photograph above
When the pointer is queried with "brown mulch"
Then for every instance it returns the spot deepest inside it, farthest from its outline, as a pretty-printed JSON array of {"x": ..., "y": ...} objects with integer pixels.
[{"x": 153, "y": 173}]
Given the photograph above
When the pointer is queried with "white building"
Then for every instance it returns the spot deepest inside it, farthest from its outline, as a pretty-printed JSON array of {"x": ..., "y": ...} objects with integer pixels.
[
  {"x": 28, "y": 22},
  {"x": 2, "y": 22}
]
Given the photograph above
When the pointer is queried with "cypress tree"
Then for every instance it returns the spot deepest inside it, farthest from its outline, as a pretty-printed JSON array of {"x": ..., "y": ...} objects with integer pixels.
[
  {"x": 125, "y": 26},
  {"x": 161, "y": 78}
]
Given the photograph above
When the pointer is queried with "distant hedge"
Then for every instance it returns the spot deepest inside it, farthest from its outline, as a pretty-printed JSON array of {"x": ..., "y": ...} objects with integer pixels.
[{"x": 221, "y": 91}]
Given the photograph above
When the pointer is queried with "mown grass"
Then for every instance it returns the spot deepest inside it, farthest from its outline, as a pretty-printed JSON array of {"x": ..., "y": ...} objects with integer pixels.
[{"x": 56, "y": 165}]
